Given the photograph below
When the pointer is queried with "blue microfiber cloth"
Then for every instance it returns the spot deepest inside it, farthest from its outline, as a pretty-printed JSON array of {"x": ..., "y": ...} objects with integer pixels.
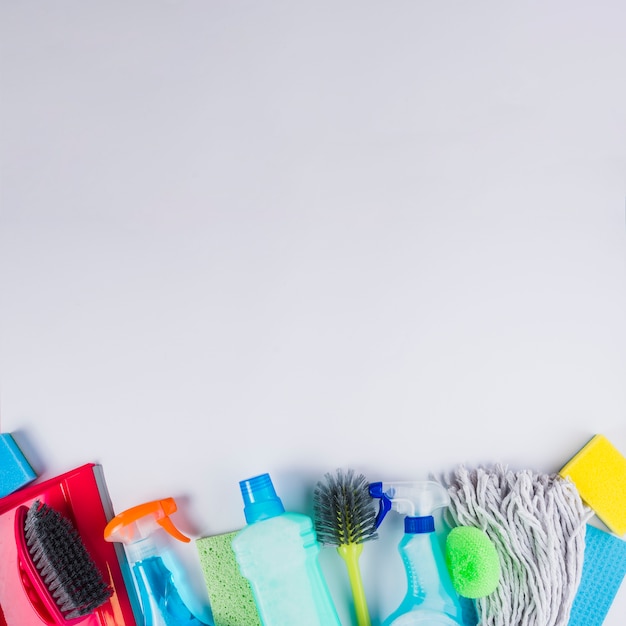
[
  {"x": 15, "y": 470},
  {"x": 604, "y": 568}
]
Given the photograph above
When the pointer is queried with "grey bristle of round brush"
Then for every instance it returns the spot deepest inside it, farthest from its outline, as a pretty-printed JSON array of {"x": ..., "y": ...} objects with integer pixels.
[
  {"x": 65, "y": 566},
  {"x": 344, "y": 511}
]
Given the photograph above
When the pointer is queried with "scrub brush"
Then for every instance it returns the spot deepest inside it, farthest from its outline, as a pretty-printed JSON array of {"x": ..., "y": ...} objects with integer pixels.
[
  {"x": 345, "y": 517},
  {"x": 54, "y": 553}
]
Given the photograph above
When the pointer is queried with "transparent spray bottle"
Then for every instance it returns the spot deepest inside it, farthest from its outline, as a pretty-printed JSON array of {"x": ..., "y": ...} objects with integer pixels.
[
  {"x": 138, "y": 528},
  {"x": 277, "y": 551},
  {"x": 430, "y": 599}
]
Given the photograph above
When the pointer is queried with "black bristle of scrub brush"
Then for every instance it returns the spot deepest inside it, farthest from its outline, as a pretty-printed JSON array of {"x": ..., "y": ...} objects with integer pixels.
[
  {"x": 344, "y": 511},
  {"x": 65, "y": 566}
]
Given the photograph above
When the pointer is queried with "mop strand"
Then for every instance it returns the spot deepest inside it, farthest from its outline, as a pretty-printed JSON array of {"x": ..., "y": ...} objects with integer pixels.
[{"x": 537, "y": 523}]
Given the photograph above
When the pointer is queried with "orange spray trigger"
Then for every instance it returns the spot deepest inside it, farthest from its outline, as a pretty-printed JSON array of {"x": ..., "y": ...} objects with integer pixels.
[
  {"x": 168, "y": 525},
  {"x": 138, "y": 522}
]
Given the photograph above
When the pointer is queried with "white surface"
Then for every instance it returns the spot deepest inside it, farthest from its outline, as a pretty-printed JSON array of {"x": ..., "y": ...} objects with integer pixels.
[{"x": 241, "y": 237}]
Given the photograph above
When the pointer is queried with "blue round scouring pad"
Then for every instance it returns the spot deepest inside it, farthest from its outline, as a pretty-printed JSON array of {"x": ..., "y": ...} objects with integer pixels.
[{"x": 472, "y": 562}]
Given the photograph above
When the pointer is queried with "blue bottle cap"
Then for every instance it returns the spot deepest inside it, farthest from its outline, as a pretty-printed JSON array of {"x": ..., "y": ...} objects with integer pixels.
[
  {"x": 417, "y": 525},
  {"x": 260, "y": 499}
]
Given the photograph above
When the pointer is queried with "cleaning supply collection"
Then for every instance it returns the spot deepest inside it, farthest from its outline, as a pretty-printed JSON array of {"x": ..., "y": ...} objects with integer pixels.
[{"x": 481, "y": 546}]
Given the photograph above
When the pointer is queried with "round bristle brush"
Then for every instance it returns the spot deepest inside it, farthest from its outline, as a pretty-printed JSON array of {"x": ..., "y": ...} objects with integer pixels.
[{"x": 345, "y": 517}]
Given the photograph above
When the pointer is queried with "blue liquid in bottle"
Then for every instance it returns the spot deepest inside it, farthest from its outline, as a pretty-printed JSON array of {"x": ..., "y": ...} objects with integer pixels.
[
  {"x": 278, "y": 553},
  {"x": 431, "y": 599},
  {"x": 160, "y": 600}
]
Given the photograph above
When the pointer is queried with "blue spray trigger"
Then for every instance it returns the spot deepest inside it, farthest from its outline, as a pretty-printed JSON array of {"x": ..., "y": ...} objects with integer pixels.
[{"x": 376, "y": 491}]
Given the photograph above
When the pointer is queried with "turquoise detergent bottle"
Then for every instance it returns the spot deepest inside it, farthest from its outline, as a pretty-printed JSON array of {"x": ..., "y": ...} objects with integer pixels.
[
  {"x": 430, "y": 599},
  {"x": 137, "y": 528},
  {"x": 278, "y": 553}
]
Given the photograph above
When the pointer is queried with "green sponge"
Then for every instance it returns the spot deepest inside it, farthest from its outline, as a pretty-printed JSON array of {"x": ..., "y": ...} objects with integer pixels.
[
  {"x": 472, "y": 561},
  {"x": 230, "y": 594}
]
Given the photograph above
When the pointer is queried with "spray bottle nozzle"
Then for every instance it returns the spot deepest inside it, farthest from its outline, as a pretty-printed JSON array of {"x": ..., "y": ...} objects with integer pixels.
[
  {"x": 376, "y": 491},
  {"x": 141, "y": 521},
  {"x": 418, "y": 499}
]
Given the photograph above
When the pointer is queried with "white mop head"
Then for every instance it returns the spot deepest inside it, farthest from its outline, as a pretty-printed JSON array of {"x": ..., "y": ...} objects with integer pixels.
[{"x": 537, "y": 523}]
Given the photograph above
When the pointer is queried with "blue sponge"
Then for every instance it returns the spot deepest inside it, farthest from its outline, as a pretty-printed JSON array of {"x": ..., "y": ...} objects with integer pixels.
[
  {"x": 15, "y": 470},
  {"x": 604, "y": 568}
]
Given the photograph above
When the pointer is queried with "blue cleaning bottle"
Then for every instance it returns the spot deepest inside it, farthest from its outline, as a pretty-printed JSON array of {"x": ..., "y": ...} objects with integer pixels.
[
  {"x": 431, "y": 599},
  {"x": 277, "y": 552},
  {"x": 161, "y": 602}
]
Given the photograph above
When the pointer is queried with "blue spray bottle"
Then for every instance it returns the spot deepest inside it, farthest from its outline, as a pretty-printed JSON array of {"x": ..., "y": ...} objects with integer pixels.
[
  {"x": 430, "y": 599},
  {"x": 277, "y": 551},
  {"x": 138, "y": 528}
]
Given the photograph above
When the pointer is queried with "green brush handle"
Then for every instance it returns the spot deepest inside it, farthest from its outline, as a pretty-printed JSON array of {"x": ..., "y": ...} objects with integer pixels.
[{"x": 350, "y": 553}]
